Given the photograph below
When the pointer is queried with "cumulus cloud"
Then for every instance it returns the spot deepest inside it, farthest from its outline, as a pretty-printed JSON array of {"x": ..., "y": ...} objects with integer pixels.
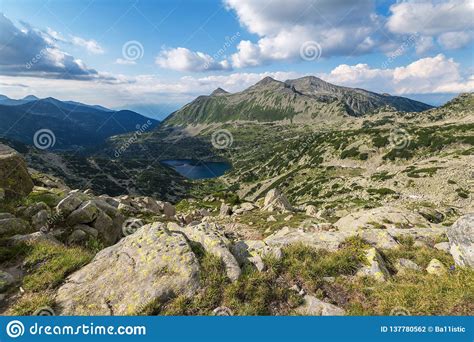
[
  {"x": 91, "y": 45},
  {"x": 339, "y": 27},
  {"x": 182, "y": 59},
  {"x": 437, "y": 74},
  {"x": 451, "y": 21},
  {"x": 27, "y": 51}
]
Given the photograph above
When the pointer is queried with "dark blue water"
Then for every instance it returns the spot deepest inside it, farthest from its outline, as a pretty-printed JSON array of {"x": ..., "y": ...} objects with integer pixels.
[{"x": 196, "y": 169}]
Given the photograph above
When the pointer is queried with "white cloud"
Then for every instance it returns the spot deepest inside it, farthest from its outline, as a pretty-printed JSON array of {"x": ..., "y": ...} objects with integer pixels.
[
  {"x": 449, "y": 20},
  {"x": 26, "y": 51},
  {"x": 339, "y": 27},
  {"x": 454, "y": 40},
  {"x": 425, "y": 76},
  {"x": 432, "y": 75},
  {"x": 182, "y": 59},
  {"x": 91, "y": 45}
]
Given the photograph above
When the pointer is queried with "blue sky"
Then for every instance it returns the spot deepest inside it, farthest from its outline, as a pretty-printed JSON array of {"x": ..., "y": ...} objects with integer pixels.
[{"x": 84, "y": 50}]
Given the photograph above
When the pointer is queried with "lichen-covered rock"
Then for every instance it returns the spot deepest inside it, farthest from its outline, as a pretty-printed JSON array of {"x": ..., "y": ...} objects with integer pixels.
[
  {"x": 436, "y": 267},
  {"x": 276, "y": 201},
  {"x": 389, "y": 217},
  {"x": 33, "y": 238},
  {"x": 461, "y": 240},
  {"x": 86, "y": 213},
  {"x": 401, "y": 265},
  {"x": 70, "y": 203},
  {"x": 6, "y": 279},
  {"x": 40, "y": 219},
  {"x": 14, "y": 177},
  {"x": 311, "y": 210},
  {"x": 34, "y": 208},
  {"x": 442, "y": 246},
  {"x": 225, "y": 210},
  {"x": 148, "y": 267},
  {"x": 13, "y": 225},
  {"x": 315, "y": 307},
  {"x": 253, "y": 251},
  {"x": 319, "y": 240},
  {"x": 210, "y": 236},
  {"x": 375, "y": 266}
]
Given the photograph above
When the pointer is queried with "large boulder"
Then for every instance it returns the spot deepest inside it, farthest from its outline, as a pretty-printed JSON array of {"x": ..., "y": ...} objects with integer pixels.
[
  {"x": 13, "y": 226},
  {"x": 461, "y": 240},
  {"x": 210, "y": 236},
  {"x": 146, "y": 268},
  {"x": 276, "y": 201},
  {"x": 382, "y": 218},
  {"x": 14, "y": 177},
  {"x": 316, "y": 239}
]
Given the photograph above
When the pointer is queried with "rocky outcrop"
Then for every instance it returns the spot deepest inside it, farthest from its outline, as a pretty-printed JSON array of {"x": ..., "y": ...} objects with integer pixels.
[
  {"x": 375, "y": 267},
  {"x": 14, "y": 177},
  {"x": 210, "y": 236},
  {"x": 276, "y": 201},
  {"x": 382, "y": 217},
  {"x": 461, "y": 240},
  {"x": 148, "y": 267},
  {"x": 315, "y": 307},
  {"x": 319, "y": 240}
]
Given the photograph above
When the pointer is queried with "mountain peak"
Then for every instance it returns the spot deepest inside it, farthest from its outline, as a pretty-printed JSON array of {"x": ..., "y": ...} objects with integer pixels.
[
  {"x": 219, "y": 91},
  {"x": 30, "y": 98},
  {"x": 267, "y": 80}
]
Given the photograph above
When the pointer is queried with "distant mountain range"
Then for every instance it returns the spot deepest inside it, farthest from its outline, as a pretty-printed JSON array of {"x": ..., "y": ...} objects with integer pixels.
[
  {"x": 303, "y": 99},
  {"x": 74, "y": 124}
]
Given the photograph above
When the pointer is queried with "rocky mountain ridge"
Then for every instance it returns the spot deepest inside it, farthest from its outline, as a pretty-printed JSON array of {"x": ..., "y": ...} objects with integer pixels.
[{"x": 301, "y": 100}]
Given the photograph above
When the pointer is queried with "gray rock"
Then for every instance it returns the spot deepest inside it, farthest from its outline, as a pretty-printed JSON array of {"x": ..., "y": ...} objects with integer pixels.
[
  {"x": 70, "y": 203},
  {"x": 211, "y": 238},
  {"x": 461, "y": 240},
  {"x": 436, "y": 267},
  {"x": 35, "y": 208},
  {"x": 405, "y": 264},
  {"x": 276, "y": 201},
  {"x": 34, "y": 238},
  {"x": 442, "y": 246},
  {"x": 149, "y": 267},
  {"x": 311, "y": 210},
  {"x": 14, "y": 177},
  {"x": 87, "y": 229},
  {"x": 376, "y": 267},
  {"x": 13, "y": 225},
  {"x": 86, "y": 213},
  {"x": 77, "y": 236},
  {"x": 225, "y": 210},
  {"x": 6, "y": 279},
  {"x": 319, "y": 240},
  {"x": 315, "y": 307},
  {"x": 6, "y": 216},
  {"x": 40, "y": 219}
]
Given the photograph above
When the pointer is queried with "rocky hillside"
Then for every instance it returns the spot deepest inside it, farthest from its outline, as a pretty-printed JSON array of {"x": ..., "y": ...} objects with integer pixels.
[
  {"x": 300, "y": 100},
  {"x": 61, "y": 251}
]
